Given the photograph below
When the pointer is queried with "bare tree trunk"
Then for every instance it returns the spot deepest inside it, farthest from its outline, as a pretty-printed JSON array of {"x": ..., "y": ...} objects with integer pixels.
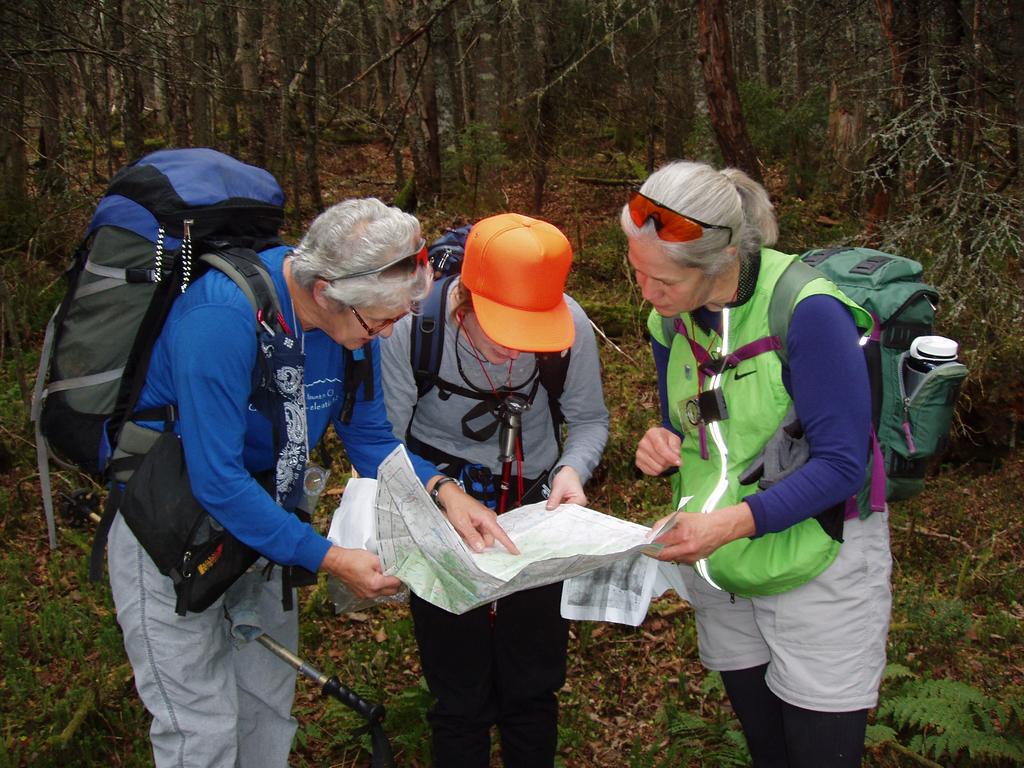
[
  {"x": 177, "y": 67},
  {"x": 675, "y": 88},
  {"x": 376, "y": 41},
  {"x": 761, "y": 41},
  {"x": 250, "y": 23},
  {"x": 720, "y": 85},
  {"x": 202, "y": 126},
  {"x": 1016, "y": 130},
  {"x": 229, "y": 74},
  {"x": 977, "y": 77},
  {"x": 271, "y": 94},
  {"x": 14, "y": 185},
  {"x": 950, "y": 61},
  {"x": 132, "y": 96},
  {"x": 845, "y": 129},
  {"x": 624, "y": 100},
  {"x": 463, "y": 83},
  {"x": 794, "y": 76},
  {"x": 89, "y": 86},
  {"x": 309, "y": 99},
  {"x": 901, "y": 31},
  {"x": 428, "y": 123},
  {"x": 444, "y": 47},
  {"x": 541, "y": 122},
  {"x": 415, "y": 88},
  {"x": 51, "y": 139},
  {"x": 96, "y": 117},
  {"x": 485, "y": 65}
]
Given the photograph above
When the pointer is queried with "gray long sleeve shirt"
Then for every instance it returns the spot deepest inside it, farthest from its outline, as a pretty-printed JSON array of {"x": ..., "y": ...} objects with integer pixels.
[{"x": 438, "y": 422}]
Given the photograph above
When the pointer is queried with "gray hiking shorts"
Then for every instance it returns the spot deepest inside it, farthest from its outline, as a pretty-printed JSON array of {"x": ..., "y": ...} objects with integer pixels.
[{"x": 824, "y": 641}]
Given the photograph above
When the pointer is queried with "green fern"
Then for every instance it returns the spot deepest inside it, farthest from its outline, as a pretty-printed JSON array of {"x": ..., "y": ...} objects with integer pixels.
[
  {"x": 705, "y": 742},
  {"x": 896, "y": 671},
  {"x": 949, "y": 718}
]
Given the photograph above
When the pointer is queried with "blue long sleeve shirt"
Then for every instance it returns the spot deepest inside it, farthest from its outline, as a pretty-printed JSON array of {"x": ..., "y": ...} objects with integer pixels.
[
  {"x": 827, "y": 379},
  {"x": 203, "y": 364}
]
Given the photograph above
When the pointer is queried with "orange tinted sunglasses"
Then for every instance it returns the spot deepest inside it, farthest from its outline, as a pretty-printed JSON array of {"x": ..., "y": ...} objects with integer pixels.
[{"x": 671, "y": 226}]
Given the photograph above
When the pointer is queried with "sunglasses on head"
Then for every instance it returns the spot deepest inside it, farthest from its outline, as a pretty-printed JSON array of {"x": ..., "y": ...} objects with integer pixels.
[
  {"x": 401, "y": 267},
  {"x": 671, "y": 226}
]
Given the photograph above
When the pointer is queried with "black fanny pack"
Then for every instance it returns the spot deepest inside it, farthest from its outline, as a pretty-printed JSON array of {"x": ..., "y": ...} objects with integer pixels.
[{"x": 185, "y": 542}]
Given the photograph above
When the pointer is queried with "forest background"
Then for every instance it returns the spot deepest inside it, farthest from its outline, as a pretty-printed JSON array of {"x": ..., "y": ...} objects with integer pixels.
[{"x": 891, "y": 124}]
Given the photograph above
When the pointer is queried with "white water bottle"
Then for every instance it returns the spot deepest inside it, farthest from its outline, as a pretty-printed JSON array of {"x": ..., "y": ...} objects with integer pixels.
[{"x": 926, "y": 353}]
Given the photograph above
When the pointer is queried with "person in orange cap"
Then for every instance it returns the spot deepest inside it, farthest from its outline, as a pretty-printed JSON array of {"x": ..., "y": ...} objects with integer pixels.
[{"x": 517, "y": 357}]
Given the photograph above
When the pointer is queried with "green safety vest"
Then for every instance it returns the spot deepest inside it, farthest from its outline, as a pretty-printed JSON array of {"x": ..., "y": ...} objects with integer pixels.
[{"x": 757, "y": 401}]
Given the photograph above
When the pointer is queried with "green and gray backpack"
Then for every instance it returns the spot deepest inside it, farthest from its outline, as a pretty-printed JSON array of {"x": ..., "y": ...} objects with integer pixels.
[{"x": 908, "y": 430}]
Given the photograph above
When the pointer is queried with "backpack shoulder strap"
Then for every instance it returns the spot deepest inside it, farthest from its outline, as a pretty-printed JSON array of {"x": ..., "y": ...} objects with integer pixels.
[
  {"x": 246, "y": 270},
  {"x": 358, "y": 371},
  {"x": 552, "y": 368},
  {"x": 426, "y": 340},
  {"x": 780, "y": 309},
  {"x": 244, "y": 267}
]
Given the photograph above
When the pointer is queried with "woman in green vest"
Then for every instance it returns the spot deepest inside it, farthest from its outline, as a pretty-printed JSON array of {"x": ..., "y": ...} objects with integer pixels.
[{"x": 789, "y": 584}]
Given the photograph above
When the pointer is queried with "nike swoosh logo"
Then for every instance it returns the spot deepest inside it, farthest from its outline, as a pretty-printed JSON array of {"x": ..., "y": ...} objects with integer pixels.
[{"x": 739, "y": 376}]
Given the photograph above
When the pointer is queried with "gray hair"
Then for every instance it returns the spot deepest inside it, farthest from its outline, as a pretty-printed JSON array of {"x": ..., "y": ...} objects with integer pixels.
[
  {"x": 356, "y": 236},
  {"x": 726, "y": 198}
]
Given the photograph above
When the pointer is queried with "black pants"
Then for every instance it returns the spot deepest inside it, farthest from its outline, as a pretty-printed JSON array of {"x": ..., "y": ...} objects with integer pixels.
[
  {"x": 781, "y": 735},
  {"x": 503, "y": 669}
]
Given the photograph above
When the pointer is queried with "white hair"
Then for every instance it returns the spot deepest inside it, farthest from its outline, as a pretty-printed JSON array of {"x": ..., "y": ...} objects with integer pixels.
[
  {"x": 727, "y": 198},
  {"x": 356, "y": 236}
]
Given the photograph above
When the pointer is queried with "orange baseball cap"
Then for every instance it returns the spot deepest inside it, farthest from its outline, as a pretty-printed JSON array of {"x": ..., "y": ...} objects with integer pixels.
[{"x": 516, "y": 267}]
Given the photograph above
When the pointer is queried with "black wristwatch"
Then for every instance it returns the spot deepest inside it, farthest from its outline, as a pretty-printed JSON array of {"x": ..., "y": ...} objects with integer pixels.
[{"x": 437, "y": 487}]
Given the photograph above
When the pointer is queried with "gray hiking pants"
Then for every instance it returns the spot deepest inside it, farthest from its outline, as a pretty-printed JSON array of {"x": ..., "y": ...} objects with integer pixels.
[{"x": 212, "y": 704}]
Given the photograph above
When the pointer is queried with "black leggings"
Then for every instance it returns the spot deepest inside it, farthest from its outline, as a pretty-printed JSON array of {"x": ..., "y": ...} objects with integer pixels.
[
  {"x": 504, "y": 669},
  {"x": 781, "y": 735}
]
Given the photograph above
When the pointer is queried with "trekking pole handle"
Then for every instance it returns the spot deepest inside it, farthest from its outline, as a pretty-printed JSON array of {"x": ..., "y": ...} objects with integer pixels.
[
  {"x": 382, "y": 755},
  {"x": 373, "y": 713}
]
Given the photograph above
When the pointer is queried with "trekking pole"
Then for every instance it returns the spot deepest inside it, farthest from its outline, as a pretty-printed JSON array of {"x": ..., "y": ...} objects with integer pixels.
[
  {"x": 331, "y": 686},
  {"x": 511, "y": 410}
]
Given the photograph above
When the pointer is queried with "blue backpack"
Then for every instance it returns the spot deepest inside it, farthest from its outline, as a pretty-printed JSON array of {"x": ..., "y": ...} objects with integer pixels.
[
  {"x": 446, "y": 253},
  {"x": 162, "y": 222}
]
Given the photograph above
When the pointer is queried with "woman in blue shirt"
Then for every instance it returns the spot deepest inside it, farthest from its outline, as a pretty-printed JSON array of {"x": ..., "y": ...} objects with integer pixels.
[{"x": 360, "y": 267}]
